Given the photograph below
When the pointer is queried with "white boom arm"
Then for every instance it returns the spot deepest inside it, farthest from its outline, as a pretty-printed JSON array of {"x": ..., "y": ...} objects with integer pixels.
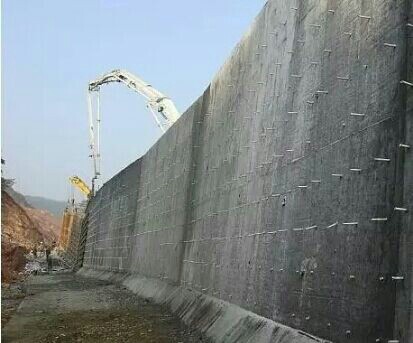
[{"x": 158, "y": 104}]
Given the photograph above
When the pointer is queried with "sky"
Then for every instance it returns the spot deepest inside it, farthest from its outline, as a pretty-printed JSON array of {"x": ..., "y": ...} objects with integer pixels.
[{"x": 52, "y": 49}]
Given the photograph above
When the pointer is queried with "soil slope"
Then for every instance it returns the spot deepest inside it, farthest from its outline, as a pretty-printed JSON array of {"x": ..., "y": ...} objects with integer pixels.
[
  {"x": 48, "y": 225},
  {"x": 17, "y": 226},
  {"x": 23, "y": 228}
]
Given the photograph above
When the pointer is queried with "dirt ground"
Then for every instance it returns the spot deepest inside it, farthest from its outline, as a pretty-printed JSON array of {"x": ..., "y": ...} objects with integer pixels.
[
  {"x": 64, "y": 307},
  {"x": 12, "y": 295}
]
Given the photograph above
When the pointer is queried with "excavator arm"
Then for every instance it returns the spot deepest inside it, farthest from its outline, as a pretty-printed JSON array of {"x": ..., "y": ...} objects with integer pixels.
[{"x": 80, "y": 185}]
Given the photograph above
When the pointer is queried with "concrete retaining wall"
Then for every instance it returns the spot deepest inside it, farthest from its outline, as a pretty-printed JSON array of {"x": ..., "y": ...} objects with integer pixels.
[
  {"x": 220, "y": 321},
  {"x": 276, "y": 190}
]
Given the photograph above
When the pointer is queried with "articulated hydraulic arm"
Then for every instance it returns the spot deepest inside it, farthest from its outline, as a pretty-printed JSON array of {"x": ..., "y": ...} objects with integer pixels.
[
  {"x": 161, "y": 107},
  {"x": 156, "y": 101},
  {"x": 81, "y": 185}
]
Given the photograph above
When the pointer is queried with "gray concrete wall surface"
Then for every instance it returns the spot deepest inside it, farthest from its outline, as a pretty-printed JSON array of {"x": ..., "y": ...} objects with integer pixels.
[{"x": 282, "y": 188}]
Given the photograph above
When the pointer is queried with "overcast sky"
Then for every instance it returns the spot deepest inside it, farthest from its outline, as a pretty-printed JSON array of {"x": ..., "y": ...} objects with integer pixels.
[{"x": 51, "y": 49}]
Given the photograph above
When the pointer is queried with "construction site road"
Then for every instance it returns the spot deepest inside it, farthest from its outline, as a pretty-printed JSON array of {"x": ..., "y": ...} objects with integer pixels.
[{"x": 64, "y": 307}]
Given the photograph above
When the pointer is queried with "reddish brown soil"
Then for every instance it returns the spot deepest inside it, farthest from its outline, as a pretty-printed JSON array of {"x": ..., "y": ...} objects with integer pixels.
[
  {"x": 17, "y": 226},
  {"x": 13, "y": 261},
  {"x": 48, "y": 225}
]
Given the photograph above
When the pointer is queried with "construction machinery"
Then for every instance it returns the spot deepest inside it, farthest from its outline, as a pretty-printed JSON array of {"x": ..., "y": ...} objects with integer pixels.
[
  {"x": 161, "y": 107},
  {"x": 81, "y": 185}
]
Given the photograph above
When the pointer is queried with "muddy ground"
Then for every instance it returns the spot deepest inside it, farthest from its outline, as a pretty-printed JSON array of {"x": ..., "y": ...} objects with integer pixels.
[{"x": 64, "y": 307}]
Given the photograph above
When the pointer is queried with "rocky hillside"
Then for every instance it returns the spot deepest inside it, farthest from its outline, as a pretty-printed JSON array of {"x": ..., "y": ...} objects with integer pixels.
[
  {"x": 23, "y": 228},
  {"x": 45, "y": 214},
  {"x": 17, "y": 226},
  {"x": 17, "y": 197},
  {"x": 48, "y": 225},
  {"x": 55, "y": 207},
  {"x": 19, "y": 234}
]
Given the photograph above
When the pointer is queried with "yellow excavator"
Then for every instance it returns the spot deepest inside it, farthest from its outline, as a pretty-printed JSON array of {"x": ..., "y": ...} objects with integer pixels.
[{"x": 81, "y": 185}]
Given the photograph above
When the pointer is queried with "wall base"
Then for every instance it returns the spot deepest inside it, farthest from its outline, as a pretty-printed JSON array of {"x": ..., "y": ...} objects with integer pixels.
[{"x": 217, "y": 319}]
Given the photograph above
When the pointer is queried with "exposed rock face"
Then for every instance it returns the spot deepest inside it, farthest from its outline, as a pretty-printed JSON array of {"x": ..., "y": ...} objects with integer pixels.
[
  {"x": 17, "y": 226},
  {"x": 13, "y": 261},
  {"x": 19, "y": 234},
  {"x": 48, "y": 224},
  {"x": 23, "y": 228}
]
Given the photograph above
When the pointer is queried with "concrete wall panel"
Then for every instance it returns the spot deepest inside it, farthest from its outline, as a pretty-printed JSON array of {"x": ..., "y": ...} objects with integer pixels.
[{"x": 276, "y": 189}]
